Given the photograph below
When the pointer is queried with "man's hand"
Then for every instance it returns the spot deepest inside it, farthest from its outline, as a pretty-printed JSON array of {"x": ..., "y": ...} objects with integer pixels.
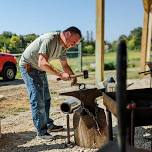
[{"x": 64, "y": 76}]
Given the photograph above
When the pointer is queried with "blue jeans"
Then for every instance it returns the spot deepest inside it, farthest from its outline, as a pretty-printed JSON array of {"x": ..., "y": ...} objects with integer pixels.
[{"x": 38, "y": 92}]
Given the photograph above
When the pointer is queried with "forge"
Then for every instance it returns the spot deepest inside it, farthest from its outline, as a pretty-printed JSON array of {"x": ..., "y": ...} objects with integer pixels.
[{"x": 138, "y": 115}]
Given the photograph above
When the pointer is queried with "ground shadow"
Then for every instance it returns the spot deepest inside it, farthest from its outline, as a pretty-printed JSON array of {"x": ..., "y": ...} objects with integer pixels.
[
  {"x": 10, "y": 141},
  {"x": 65, "y": 130},
  {"x": 14, "y": 82},
  {"x": 14, "y": 142},
  {"x": 43, "y": 147},
  {"x": 61, "y": 136}
]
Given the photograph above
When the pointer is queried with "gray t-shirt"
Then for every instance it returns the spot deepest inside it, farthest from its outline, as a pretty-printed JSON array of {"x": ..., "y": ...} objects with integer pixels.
[{"x": 48, "y": 44}]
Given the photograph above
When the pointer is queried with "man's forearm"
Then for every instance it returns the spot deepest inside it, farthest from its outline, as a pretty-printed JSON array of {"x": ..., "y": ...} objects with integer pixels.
[
  {"x": 45, "y": 66},
  {"x": 50, "y": 69},
  {"x": 68, "y": 69}
]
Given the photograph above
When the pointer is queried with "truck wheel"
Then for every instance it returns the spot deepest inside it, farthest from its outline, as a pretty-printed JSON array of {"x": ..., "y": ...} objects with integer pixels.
[{"x": 9, "y": 73}]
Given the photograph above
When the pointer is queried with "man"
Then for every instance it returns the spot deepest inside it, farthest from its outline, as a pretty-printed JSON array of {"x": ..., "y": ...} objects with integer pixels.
[{"x": 34, "y": 64}]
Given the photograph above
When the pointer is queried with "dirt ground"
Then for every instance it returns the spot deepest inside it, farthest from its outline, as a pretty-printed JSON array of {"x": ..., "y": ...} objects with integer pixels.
[{"x": 18, "y": 132}]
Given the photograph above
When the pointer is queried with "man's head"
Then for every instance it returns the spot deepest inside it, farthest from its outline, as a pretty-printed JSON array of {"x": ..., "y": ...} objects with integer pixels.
[{"x": 71, "y": 37}]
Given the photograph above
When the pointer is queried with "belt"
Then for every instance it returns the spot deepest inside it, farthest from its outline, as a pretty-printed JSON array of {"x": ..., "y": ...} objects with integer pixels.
[{"x": 29, "y": 68}]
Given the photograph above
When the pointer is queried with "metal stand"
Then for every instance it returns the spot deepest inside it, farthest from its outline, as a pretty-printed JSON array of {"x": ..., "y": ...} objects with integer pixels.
[
  {"x": 110, "y": 131},
  {"x": 132, "y": 127},
  {"x": 150, "y": 79},
  {"x": 68, "y": 129}
]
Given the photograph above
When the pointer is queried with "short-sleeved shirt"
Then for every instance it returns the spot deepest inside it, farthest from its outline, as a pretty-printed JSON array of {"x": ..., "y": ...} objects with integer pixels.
[{"x": 48, "y": 44}]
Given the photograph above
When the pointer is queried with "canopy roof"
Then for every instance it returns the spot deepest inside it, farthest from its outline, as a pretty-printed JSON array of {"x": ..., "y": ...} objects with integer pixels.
[
  {"x": 147, "y": 5},
  {"x": 145, "y": 43}
]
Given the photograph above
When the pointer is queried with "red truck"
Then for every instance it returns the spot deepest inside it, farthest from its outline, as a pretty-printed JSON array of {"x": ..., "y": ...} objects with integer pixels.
[{"x": 8, "y": 68}]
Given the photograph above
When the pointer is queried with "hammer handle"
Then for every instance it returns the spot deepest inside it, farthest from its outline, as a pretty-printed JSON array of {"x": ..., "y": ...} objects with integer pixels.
[
  {"x": 71, "y": 76},
  {"x": 146, "y": 72}
]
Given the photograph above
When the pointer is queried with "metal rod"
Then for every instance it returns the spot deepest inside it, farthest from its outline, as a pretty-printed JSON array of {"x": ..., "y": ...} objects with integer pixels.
[
  {"x": 68, "y": 129},
  {"x": 110, "y": 131},
  {"x": 150, "y": 80},
  {"x": 128, "y": 135},
  {"x": 132, "y": 127}
]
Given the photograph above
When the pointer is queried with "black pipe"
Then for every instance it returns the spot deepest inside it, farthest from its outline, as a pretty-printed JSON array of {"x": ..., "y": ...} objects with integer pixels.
[
  {"x": 69, "y": 105},
  {"x": 121, "y": 94}
]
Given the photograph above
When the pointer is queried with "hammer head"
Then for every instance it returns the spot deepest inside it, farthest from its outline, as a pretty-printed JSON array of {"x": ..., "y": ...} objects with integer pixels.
[
  {"x": 149, "y": 64},
  {"x": 85, "y": 74}
]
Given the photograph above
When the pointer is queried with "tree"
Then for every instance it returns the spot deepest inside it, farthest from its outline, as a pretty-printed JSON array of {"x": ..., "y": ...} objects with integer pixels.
[
  {"x": 135, "y": 39},
  {"x": 114, "y": 45},
  {"x": 7, "y": 34},
  {"x": 4, "y": 42},
  {"x": 14, "y": 43},
  {"x": 22, "y": 42},
  {"x": 123, "y": 37},
  {"x": 132, "y": 43},
  {"x": 108, "y": 46},
  {"x": 91, "y": 37},
  {"x": 30, "y": 37},
  {"x": 89, "y": 49},
  {"x": 87, "y": 36}
]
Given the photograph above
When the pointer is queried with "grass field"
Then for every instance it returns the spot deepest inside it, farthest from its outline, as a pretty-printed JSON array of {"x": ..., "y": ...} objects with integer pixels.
[{"x": 88, "y": 63}]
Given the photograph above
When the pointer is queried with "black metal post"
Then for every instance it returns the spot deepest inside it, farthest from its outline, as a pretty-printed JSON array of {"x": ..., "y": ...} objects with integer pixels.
[
  {"x": 121, "y": 94},
  {"x": 132, "y": 127}
]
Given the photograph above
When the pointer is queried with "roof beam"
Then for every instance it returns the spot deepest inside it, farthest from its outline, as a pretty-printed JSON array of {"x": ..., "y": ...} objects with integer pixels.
[
  {"x": 147, "y": 4},
  {"x": 146, "y": 34}
]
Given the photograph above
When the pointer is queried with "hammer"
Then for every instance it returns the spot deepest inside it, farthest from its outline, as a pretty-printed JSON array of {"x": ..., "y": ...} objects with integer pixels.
[
  {"x": 84, "y": 74},
  {"x": 149, "y": 71}
]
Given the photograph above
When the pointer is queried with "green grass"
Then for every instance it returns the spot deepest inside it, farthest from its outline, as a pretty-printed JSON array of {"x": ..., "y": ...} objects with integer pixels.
[
  {"x": 18, "y": 76},
  {"x": 133, "y": 56},
  {"x": 133, "y": 63}
]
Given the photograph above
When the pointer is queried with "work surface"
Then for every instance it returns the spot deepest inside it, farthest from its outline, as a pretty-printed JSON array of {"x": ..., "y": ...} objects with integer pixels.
[{"x": 143, "y": 100}]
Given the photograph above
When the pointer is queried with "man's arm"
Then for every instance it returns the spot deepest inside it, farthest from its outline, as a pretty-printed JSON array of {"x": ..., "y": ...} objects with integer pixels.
[
  {"x": 66, "y": 66},
  {"x": 45, "y": 66},
  {"x": 68, "y": 70}
]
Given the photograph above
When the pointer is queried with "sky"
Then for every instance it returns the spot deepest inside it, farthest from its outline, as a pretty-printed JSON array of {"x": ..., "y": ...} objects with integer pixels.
[{"x": 41, "y": 16}]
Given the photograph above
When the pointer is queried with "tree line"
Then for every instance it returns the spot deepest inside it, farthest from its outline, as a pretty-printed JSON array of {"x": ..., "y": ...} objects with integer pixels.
[
  {"x": 133, "y": 40},
  {"x": 13, "y": 43}
]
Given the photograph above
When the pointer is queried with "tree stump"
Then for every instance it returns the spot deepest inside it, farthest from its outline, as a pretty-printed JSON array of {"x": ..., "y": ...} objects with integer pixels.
[{"x": 86, "y": 133}]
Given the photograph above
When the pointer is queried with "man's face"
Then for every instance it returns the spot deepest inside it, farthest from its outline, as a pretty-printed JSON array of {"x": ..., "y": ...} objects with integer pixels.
[{"x": 72, "y": 39}]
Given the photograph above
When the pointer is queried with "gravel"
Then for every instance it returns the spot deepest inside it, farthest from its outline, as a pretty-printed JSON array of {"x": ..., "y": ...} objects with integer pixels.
[{"x": 18, "y": 132}]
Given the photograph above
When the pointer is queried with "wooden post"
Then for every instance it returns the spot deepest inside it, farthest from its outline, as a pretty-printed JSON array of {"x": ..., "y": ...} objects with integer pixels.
[
  {"x": 145, "y": 34},
  {"x": 149, "y": 37},
  {"x": 99, "y": 40}
]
